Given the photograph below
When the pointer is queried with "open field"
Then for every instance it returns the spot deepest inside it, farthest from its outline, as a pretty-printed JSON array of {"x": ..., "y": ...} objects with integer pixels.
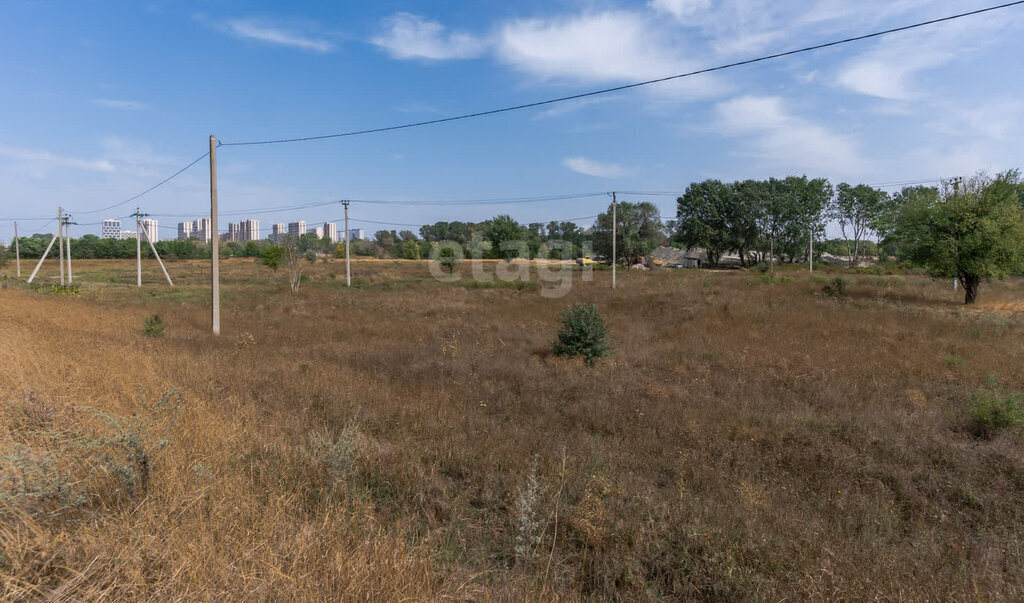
[{"x": 751, "y": 438}]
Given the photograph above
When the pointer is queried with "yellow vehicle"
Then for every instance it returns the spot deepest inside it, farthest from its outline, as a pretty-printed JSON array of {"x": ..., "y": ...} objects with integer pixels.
[{"x": 584, "y": 261}]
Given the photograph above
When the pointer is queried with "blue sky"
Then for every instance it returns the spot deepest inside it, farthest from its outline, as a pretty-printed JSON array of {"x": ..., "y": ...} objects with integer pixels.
[{"x": 103, "y": 99}]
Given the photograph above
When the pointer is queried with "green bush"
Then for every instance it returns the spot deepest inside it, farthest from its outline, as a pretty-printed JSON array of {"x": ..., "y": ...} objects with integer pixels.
[
  {"x": 583, "y": 333},
  {"x": 837, "y": 288},
  {"x": 153, "y": 326},
  {"x": 992, "y": 409}
]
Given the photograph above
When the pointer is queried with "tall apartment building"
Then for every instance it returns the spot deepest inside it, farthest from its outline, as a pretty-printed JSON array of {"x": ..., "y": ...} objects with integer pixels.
[
  {"x": 249, "y": 230},
  {"x": 127, "y": 234},
  {"x": 278, "y": 232},
  {"x": 111, "y": 229},
  {"x": 201, "y": 229},
  {"x": 331, "y": 231},
  {"x": 150, "y": 228},
  {"x": 297, "y": 229},
  {"x": 184, "y": 230},
  {"x": 356, "y": 234},
  {"x": 318, "y": 231},
  {"x": 234, "y": 232}
]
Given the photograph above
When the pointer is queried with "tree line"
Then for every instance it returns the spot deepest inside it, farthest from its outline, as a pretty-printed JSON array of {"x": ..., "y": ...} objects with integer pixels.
[{"x": 971, "y": 229}]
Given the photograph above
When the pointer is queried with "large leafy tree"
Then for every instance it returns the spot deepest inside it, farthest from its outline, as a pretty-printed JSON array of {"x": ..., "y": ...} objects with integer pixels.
[
  {"x": 885, "y": 222},
  {"x": 703, "y": 218},
  {"x": 972, "y": 230},
  {"x": 794, "y": 211},
  {"x": 748, "y": 206},
  {"x": 503, "y": 232},
  {"x": 639, "y": 230},
  {"x": 857, "y": 208}
]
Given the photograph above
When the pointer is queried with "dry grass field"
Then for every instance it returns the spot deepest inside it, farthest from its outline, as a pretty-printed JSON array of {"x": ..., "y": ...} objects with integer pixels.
[{"x": 409, "y": 439}]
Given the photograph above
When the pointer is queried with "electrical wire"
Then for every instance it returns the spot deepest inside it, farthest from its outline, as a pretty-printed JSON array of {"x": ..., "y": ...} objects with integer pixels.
[
  {"x": 627, "y": 86},
  {"x": 154, "y": 187}
]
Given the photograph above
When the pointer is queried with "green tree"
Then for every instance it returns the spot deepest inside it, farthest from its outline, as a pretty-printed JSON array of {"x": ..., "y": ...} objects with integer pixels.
[
  {"x": 794, "y": 211},
  {"x": 743, "y": 218},
  {"x": 639, "y": 230},
  {"x": 703, "y": 218},
  {"x": 272, "y": 256},
  {"x": 972, "y": 230},
  {"x": 885, "y": 223},
  {"x": 503, "y": 233},
  {"x": 857, "y": 208}
]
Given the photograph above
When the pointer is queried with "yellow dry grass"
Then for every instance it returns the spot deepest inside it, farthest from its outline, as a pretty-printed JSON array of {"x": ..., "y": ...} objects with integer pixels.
[{"x": 748, "y": 439}]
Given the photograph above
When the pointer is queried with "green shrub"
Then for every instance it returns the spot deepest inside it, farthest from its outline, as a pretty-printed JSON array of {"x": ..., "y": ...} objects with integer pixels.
[
  {"x": 837, "y": 288},
  {"x": 153, "y": 326},
  {"x": 583, "y": 333},
  {"x": 992, "y": 409}
]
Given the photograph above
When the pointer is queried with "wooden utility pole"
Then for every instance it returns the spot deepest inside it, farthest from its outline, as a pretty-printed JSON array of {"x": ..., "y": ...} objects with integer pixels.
[
  {"x": 17, "y": 250},
  {"x": 614, "y": 237},
  {"x": 214, "y": 240},
  {"x": 60, "y": 241},
  {"x": 138, "y": 248},
  {"x": 348, "y": 267},
  {"x": 810, "y": 257}
]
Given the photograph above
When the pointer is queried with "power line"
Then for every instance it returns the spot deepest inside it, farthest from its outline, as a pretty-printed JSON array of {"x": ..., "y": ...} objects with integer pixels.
[
  {"x": 152, "y": 188},
  {"x": 627, "y": 86},
  {"x": 497, "y": 201}
]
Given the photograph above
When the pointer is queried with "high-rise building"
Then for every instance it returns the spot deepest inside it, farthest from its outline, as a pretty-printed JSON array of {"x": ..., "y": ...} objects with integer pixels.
[
  {"x": 127, "y": 234},
  {"x": 150, "y": 228},
  {"x": 111, "y": 229},
  {"x": 184, "y": 230},
  {"x": 250, "y": 230},
  {"x": 318, "y": 231},
  {"x": 356, "y": 234},
  {"x": 278, "y": 232},
  {"x": 297, "y": 229},
  {"x": 234, "y": 232},
  {"x": 331, "y": 231},
  {"x": 201, "y": 229}
]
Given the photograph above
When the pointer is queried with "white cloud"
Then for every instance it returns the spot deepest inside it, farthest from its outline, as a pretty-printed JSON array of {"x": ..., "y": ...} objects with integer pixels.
[
  {"x": 582, "y": 48},
  {"x": 409, "y": 36},
  {"x": 785, "y": 140},
  {"x": 589, "y": 167},
  {"x": 39, "y": 160},
  {"x": 888, "y": 71},
  {"x": 680, "y": 9},
  {"x": 893, "y": 69},
  {"x": 254, "y": 29},
  {"x": 608, "y": 47},
  {"x": 121, "y": 105}
]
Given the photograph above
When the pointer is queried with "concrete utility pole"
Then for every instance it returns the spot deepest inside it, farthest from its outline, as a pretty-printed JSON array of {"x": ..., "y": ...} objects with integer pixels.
[
  {"x": 157, "y": 256},
  {"x": 67, "y": 238},
  {"x": 214, "y": 240},
  {"x": 17, "y": 250},
  {"x": 138, "y": 247},
  {"x": 348, "y": 266},
  {"x": 142, "y": 232},
  {"x": 45, "y": 253},
  {"x": 614, "y": 237},
  {"x": 60, "y": 241},
  {"x": 810, "y": 258}
]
